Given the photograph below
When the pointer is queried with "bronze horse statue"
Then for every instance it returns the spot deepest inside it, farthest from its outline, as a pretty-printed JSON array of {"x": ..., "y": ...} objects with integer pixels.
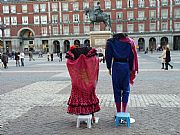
[{"x": 98, "y": 17}]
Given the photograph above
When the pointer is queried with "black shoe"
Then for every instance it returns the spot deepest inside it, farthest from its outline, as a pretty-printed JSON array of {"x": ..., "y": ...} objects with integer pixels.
[{"x": 165, "y": 69}]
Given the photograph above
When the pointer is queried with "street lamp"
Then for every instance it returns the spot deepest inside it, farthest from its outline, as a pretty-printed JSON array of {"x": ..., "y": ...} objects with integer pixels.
[{"x": 3, "y": 27}]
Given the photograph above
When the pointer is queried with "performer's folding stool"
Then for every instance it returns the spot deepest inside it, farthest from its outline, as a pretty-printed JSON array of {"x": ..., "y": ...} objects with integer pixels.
[
  {"x": 86, "y": 118},
  {"x": 123, "y": 116}
]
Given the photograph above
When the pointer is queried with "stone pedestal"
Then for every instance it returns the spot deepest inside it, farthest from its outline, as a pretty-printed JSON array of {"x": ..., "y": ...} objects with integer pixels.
[{"x": 99, "y": 38}]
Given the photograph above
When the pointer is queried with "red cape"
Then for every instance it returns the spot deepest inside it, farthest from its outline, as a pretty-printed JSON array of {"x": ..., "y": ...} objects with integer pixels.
[{"x": 135, "y": 61}]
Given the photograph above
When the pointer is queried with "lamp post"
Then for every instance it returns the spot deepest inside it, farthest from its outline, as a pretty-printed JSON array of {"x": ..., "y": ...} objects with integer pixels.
[{"x": 3, "y": 27}]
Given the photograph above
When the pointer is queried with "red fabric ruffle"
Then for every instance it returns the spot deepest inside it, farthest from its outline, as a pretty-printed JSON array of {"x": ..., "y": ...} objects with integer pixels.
[{"x": 84, "y": 75}]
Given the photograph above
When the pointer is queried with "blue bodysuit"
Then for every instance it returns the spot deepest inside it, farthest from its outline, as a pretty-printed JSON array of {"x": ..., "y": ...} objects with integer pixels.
[{"x": 122, "y": 56}]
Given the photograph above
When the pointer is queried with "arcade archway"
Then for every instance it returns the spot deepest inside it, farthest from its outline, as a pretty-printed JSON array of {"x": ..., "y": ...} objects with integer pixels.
[
  {"x": 141, "y": 44},
  {"x": 26, "y": 43},
  {"x": 152, "y": 43},
  {"x": 77, "y": 42},
  {"x": 87, "y": 43},
  {"x": 66, "y": 45},
  {"x": 176, "y": 45},
  {"x": 56, "y": 46},
  {"x": 164, "y": 41}
]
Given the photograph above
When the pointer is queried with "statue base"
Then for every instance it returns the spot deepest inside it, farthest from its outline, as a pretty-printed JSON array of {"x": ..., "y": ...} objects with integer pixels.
[{"x": 99, "y": 38}]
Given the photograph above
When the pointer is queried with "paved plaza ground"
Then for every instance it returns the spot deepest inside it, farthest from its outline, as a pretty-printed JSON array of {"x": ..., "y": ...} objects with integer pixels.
[{"x": 33, "y": 99}]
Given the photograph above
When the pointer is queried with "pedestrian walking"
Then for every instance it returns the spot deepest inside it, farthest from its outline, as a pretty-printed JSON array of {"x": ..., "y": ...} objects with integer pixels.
[
  {"x": 48, "y": 56},
  {"x": 31, "y": 56},
  {"x": 83, "y": 67},
  {"x": 22, "y": 58},
  {"x": 168, "y": 59},
  {"x": 17, "y": 58},
  {"x": 4, "y": 59},
  {"x": 51, "y": 56},
  {"x": 146, "y": 50},
  {"x": 60, "y": 56},
  {"x": 163, "y": 57},
  {"x": 122, "y": 63}
]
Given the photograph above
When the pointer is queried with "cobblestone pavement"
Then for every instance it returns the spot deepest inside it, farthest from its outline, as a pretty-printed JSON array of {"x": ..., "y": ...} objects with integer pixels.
[{"x": 33, "y": 100}]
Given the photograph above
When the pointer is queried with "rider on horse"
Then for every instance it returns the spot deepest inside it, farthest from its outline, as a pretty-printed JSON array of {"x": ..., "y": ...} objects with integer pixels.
[{"x": 98, "y": 9}]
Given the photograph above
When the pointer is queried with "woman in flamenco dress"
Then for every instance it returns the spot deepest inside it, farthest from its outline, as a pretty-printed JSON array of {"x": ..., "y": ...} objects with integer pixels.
[{"x": 83, "y": 67}]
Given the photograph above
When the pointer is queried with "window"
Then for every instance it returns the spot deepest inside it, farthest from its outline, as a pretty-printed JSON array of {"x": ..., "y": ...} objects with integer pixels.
[
  {"x": 85, "y": 5},
  {"x": 130, "y": 15},
  {"x": 44, "y": 31},
  {"x": 119, "y": 15},
  {"x": 177, "y": 2},
  {"x": 164, "y": 26},
  {"x": 152, "y": 13},
  {"x": 7, "y": 32},
  {"x": 130, "y": 3},
  {"x": 43, "y": 7},
  {"x": 177, "y": 26},
  {"x": 152, "y": 27},
  {"x": 164, "y": 13},
  {"x": 75, "y": 6},
  {"x": 54, "y": 18},
  {"x": 140, "y": 3},
  {"x": 55, "y": 31},
  {"x": 119, "y": 28},
  {"x": 24, "y": 20},
  {"x": 164, "y": 2},
  {"x": 86, "y": 18},
  {"x": 31, "y": 42},
  {"x": 43, "y": 19},
  {"x": 141, "y": 27},
  {"x": 13, "y": 9},
  {"x": 76, "y": 18},
  {"x": 24, "y": 8},
  {"x": 86, "y": 29},
  {"x": 36, "y": 8},
  {"x": 140, "y": 15},
  {"x": 107, "y": 4},
  {"x": 152, "y": 3},
  {"x": 5, "y": 9},
  {"x": 177, "y": 13},
  {"x": 66, "y": 30},
  {"x": 76, "y": 30},
  {"x": 36, "y": 19},
  {"x": 0, "y": 21},
  {"x": 14, "y": 20},
  {"x": 6, "y": 20},
  {"x": 65, "y": 18},
  {"x": 118, "y": 3},
  {"x": 65, "y": 6},
  {"x": 55, "y": 7},
  {"x": 130, "y": 28}
]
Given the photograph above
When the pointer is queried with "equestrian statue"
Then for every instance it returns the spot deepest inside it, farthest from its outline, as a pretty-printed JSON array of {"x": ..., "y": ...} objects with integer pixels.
[{"x": 97, "y": 15}]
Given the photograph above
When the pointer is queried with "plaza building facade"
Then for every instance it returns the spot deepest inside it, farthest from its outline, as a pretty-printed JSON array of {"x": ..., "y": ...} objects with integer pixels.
[{"x": 55, "y": 25}]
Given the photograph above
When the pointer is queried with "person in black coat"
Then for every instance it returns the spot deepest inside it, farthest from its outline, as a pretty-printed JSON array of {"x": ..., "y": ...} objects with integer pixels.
[
  {"x": 4, "y": 59},
  {"x": 168, "y": 59}
]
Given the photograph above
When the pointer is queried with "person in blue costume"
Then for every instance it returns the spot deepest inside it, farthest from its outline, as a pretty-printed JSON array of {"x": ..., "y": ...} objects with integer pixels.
[{"x": 121, "y": 56}]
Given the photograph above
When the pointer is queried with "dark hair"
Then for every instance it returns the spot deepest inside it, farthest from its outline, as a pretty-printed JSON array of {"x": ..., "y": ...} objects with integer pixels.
[{"x": 120, "y": 35}]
